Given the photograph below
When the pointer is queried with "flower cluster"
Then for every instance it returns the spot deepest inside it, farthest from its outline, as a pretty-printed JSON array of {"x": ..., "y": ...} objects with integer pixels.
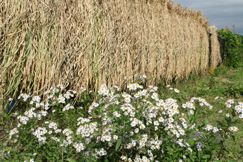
[{"x": 145, "y": 120}]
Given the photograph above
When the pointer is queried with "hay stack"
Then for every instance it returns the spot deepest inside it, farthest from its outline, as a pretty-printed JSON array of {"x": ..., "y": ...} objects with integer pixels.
[{"x": 83, "y": 44}]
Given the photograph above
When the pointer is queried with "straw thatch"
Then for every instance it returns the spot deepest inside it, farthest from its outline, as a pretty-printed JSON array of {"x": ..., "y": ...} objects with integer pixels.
[
  {"x": 215, "y": 53},
  {"x": 90, "y": 42}
]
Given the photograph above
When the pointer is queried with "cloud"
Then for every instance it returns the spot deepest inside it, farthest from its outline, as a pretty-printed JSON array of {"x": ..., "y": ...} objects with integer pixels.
[{"x": 220, "y": 13}]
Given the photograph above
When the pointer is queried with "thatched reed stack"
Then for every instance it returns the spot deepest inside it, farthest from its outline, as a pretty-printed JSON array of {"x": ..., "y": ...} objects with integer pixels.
[{"x": 74, "y": 43}]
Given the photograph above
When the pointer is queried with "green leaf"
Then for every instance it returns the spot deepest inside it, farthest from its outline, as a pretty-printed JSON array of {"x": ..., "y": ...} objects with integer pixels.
[
  {"x": 214, "y": 153},
  {"x": 94, "y": 114},
  {"x": 8, "y": 149},
  {"x": 115, "y": 128},
  {"x": 101, "y": 109},
  {"x": 175, "y": 155},
  {"x": 87, "y": 105},
  {"x": 70, "y": 160},
  {"x": 121, "y": 98},
  {"x": 81, "y": 114},
  {"x": 8, "y": 117},
  {"x": 206, "y": 122},
  {"x": 206, "y": 157},
  {"x": 169, "y": 149},
  {"x": 118, "y": 144},
  {"x": 2, "y": 123},
  {"x": 190, "y": 141},
  {"x": 82, "y": 100},
  {"x": 180, "y": 149}
]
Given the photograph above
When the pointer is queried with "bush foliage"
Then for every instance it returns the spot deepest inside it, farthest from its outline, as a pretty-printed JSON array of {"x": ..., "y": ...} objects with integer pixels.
[{"x": 232, "y": 47}]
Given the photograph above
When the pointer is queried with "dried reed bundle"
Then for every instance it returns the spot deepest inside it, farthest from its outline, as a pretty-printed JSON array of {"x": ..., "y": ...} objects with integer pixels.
[{"x": 90, "y": 42}]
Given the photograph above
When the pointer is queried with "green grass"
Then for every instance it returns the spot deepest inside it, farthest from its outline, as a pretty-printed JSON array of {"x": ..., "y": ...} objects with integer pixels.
[{"x": 225, "y": 84}]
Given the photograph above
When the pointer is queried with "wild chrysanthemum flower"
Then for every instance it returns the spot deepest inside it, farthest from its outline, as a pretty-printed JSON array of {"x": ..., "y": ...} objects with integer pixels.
[
  {"x": 108, "y": 138},
  {"x": 234, "y": 129},
  {"x": 191, "y": 112},
  {"x": 190, "y": 150},
  {"x": 241, "y": 116},
  {"x": 228, "y": 106},
  {"x": 177, "y": 91},
  {"x": 215, "y": 129}
]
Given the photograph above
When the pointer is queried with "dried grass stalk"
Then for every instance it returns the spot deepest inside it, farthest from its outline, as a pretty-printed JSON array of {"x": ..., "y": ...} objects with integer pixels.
[{"x": 91, "y": 42}]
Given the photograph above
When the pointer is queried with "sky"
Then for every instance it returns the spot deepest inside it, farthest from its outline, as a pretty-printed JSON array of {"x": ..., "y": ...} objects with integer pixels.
[{"x": 220, "y": 13}]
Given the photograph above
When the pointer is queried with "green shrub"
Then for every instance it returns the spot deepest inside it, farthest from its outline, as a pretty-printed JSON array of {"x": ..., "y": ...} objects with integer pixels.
[{"x": 232, "y": 47}]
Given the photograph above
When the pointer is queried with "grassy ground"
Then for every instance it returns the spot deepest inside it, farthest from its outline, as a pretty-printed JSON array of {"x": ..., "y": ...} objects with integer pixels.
[{"x": 224, "y": 82}]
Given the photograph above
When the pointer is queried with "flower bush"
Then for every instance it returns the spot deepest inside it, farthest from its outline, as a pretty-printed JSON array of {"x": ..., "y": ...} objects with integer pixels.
[{"x": 135, "y": 125}]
